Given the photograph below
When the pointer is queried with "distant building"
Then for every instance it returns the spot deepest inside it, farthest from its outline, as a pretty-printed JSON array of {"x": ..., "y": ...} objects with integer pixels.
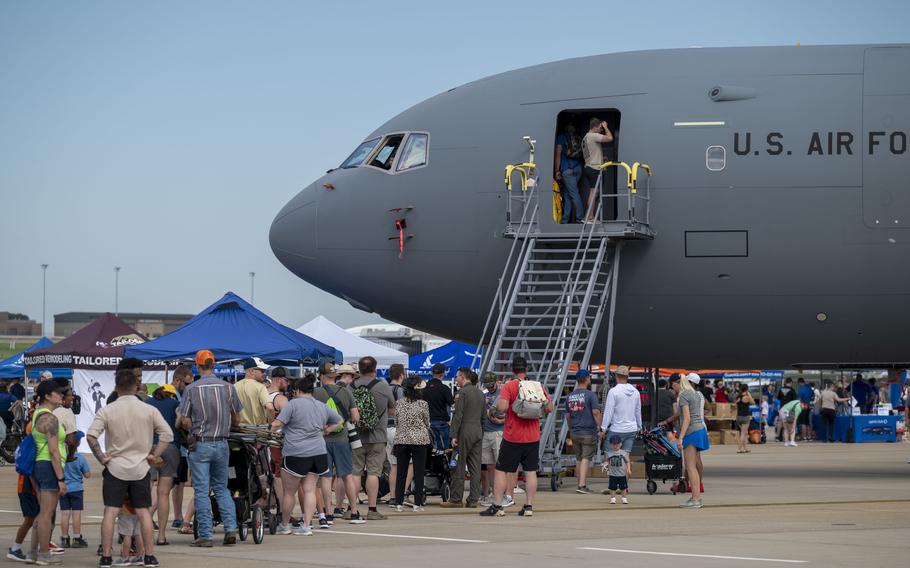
[
  {"x": 398, "y": 337},
  {"x": 18, "y": 324},
  {"x": 149, "y": 325}
]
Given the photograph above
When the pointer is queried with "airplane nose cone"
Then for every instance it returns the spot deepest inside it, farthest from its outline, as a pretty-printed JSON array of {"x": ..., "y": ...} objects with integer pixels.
[{"x": 293, "y": 233}]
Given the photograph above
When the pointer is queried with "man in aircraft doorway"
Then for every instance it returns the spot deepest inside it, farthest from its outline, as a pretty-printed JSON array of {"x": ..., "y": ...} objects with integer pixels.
[
  {"x": 592, "y": 147},
  {"x": 567, "y": 167}
]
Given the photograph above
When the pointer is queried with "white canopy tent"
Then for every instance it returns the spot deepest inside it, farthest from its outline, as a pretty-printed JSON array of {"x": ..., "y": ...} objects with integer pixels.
[{"x": 352, "y": 346}]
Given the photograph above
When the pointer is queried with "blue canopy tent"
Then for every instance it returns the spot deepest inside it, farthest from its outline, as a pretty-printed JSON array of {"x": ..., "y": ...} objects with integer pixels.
[
  {"x": 14, "y": 367},
  {"x": 233, "y": 329},
  {"x": 453, "y": 355}
]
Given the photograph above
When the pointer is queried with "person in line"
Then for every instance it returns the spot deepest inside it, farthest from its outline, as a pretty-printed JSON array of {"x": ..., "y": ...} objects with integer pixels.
[
  {"x": 396, "y": 377},
  {"x": 804, "y": 393},
  {"x": 789, "y": 414},
  {"x": 567, "y": 170},
  {"x": 493, "y": 425},
  {"x": 67, "y": 418},
  {"x": 622, "y": 411},
  {"x": 182, "y": 377},
  {"x": 73, "y": 502},
  {"x": 765, "y": 413},
  {"x": 253, "y": 394},
  {"x": 412, "y": 440},
  {"x": 8, "y": 402},
  {"x": 164, "y": 400},
  {"x": 829, "y": 400},
  {"x": 48, "y": 477},
  {"x": 744, "y": 402},
  {"x": 592, "y": 150},
  {"x": 439, "y": 397},
  {"x": 785, "y": 395},
  {"x": 667, "y": 394},
  {"x": 338, "y": 449},
  {"x": 129, "y": 426},
  {"x": 277, "y": 396},
  {"x": 370, "y": 456},
  {"x": 467, "y": 438},
  {"x": 720, "y": 392},
  {"x": 134, "y": 365},
  {"x": 209, "y": 407},
  {"x": 583, "y": 415},
  {"x": 693, "y": 438},
  {"x": 619, "y": 470},
  {"x": 304, "y": 421},
  {"x": 520, "y": 445},
  {"x": 707, "y": 390}
]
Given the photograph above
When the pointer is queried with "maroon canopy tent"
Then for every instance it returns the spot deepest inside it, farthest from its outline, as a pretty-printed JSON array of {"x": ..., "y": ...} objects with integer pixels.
[{"x": 99, "y": 345}]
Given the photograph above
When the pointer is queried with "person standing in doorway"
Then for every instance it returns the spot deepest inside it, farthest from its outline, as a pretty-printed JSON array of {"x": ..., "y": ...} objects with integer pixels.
[
  {"x": 583, "y": 415},
  {"x": 567, "y": 170},
  {"x": 592, "y": 149}
]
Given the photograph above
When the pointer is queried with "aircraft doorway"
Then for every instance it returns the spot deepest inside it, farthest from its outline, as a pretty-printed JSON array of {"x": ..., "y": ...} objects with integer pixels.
[{"x": 573, "y": 202}]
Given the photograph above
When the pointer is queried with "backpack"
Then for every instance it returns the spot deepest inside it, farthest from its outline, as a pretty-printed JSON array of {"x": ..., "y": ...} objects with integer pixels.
[
  {"x": 531, "y": 402},
  {"x": 574, "y": 147},
  {"x": 366, "y": 402},
  {"x": 27, "y": 452},
  {"x": 335, "y": 405}
]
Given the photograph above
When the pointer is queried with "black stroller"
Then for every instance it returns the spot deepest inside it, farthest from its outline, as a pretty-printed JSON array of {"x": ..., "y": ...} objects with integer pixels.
[
  {"x": 662, "y": 460},
  {"x": 249, "y": 478},
  {"x": 437, "y": 479}
]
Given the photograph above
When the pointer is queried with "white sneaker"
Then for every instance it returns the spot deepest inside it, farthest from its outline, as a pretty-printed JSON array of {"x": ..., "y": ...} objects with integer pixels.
[
  {"x": 519, "y": 491},
  {"x": 625, "y": 501},
  {"x": 613, "y": 500},
  {"x": 792, "y": 444},
  {"x": 303, "y": 530},
  {"x": 507, "y": 501},
  {"x": 283, "y": 529},
  {"x": 419, "y": 508}
]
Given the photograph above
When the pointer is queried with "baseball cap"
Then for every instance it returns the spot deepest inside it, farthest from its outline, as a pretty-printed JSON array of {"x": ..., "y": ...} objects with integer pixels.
[
  {"x": 693, "y": 378},
  {"x": 582, "y": 374},
  {"x": 255, "y": 363},
  {"x": 345, "y": 370},
  {"x": 169, "y": 388},
  {"x": 439, "y": 368},
  {"x": 615, "y": 440},
  {"x": 622, "y": 370},
  {"x": 204, "y": 355}
]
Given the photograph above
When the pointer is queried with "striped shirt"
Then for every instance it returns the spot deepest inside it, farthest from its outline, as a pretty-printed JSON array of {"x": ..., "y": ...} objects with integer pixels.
[{"x": 209, "y": 403}]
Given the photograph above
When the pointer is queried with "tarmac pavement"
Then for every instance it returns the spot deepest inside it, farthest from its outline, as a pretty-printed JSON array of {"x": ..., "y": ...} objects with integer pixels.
[{"x": 823, "y": 505}]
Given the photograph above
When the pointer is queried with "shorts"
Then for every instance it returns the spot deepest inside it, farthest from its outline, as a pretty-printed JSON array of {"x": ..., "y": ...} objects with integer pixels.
[
  {"x": 390, "y": 438},
  {"x": 45, "y": 476},
  {"x": 128, "y": 525},
  {"x": 369, "y": 457},
  {"x": 275, "y": 461},
  {"x": 512, "y": 454},
  {"x": 618, "y": 483},
  {"x": 171, "y": 457},
  {"x": 787, "y": 416},
  {"x": 340, "y": 459},
  {"x": 72, "y": 501},
  {"x": 804, "y": 417},
  {"x": 114, "y": 491},
  {"x": 489, "y": 452},
  {"x": 743, "y": 421},
  {"x": 28, "y": 502},
  {"x": 585, "y": 446},
  {"x": 183, "y": 470},
  {"x": 698, "y": 439},
  {"x": 301, "y": 466}
]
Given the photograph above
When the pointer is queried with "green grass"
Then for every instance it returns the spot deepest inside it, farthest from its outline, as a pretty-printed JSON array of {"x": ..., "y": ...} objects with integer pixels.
[{"x": 6, "y": 350}]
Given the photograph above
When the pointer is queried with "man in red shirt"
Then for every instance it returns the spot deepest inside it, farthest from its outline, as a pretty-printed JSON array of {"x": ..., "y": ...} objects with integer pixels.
[{"x": 520, "y": 445}]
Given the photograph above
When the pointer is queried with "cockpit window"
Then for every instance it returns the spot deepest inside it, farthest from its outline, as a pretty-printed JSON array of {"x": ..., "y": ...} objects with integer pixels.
[
  {"x": 385, "y": 156},
  {"x": 360, "y": 154},
  {"x": 414, "y": 153}
]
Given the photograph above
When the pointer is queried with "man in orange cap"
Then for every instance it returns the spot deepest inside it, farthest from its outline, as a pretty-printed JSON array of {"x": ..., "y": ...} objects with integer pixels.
[{"x": 208, "y": 409}]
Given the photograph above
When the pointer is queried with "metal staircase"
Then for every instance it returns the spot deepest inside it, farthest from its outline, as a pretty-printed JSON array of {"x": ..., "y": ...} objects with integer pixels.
[{"x": 554, "y": 293}]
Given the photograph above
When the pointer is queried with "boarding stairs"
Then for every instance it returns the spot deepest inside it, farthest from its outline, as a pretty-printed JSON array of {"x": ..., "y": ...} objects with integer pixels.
[{"x": 555, "y": 292}]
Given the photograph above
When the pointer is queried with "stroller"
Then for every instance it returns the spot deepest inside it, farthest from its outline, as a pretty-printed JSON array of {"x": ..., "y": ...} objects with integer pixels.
[
  {"x": 662, "y": 460},
  {"x": 249, "y": 477},
  {"x": 437, "y": 479}
]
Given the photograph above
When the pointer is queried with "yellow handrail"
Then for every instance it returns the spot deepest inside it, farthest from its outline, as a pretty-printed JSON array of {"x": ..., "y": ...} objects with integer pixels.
[
  {"x": 607, "y": 165},
  {"x": 524, "y": 170},
  {"x": 635, "y": 168}
]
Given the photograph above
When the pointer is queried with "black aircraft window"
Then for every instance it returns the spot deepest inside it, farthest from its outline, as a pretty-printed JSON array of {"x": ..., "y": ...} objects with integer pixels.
[
  {"x": 360, "y": 154},
  {"x": 415, "y": 152},
  {"x": 387, "y": 152}
]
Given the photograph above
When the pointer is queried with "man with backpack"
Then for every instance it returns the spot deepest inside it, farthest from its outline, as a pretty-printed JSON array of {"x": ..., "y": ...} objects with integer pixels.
[
  {"x": 338, "y": 448},
  {"x": 376, "y": 402},
  {"x": 525, "y": 402}
]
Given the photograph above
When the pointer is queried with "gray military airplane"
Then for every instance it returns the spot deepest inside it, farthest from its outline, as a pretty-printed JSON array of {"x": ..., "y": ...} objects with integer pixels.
[{"x": 779, "y": 203}]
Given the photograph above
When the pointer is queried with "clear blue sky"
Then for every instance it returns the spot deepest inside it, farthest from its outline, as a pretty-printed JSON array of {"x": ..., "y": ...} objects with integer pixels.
[{"x": 164, "y": 136}]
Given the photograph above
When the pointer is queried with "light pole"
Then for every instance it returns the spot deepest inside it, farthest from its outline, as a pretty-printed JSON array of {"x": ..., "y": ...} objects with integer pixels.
[
  {"x": 116, "y": 290},
  {"x": 44, "y": 299},
  {"x": 252, "y": 288}
]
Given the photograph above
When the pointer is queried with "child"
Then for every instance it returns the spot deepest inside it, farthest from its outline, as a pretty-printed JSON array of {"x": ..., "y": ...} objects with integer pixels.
[
  {"x": 619, "y": 469},
  {"x": 129, "y": 528},
  {"x": 71, "y": 504},
  {"x": 28, "y": 504},
  {"x": 765, "y": 407}
]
